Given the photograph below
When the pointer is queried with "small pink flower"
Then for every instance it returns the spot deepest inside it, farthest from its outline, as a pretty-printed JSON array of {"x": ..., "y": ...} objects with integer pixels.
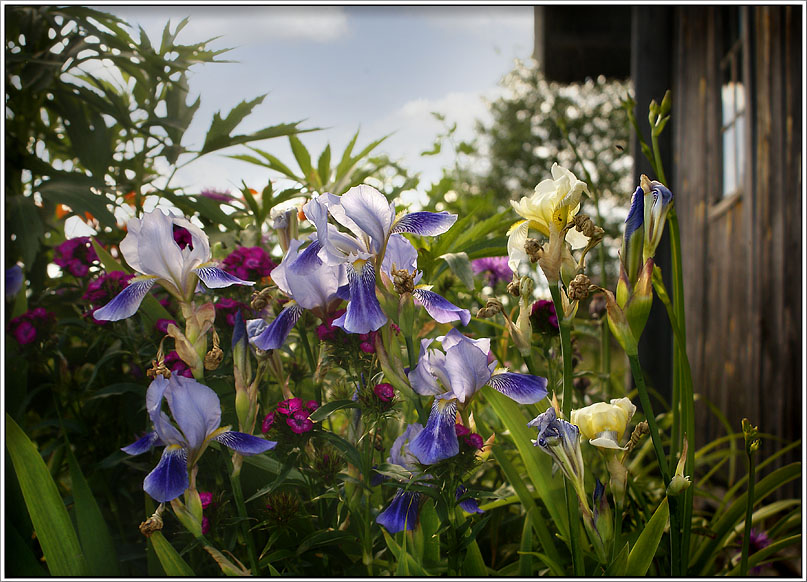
[
  {"x": 461, "y": 430},
  {"x": 268, "y": 421},
  {"x": 205, "y": 525},
  {"x": 299, "y": 422},
  {"x": 162, "y": 325},
  {"x": 206, "y": 497},
  {"x": 25, "y": 333},
  {"x": 290, "y": 406},
  {"x": 474, "y": 440},
  {"x": 312, "y": 405},
  {"x": 385, "y": 392},
  {"x": 367, "y": 347}
]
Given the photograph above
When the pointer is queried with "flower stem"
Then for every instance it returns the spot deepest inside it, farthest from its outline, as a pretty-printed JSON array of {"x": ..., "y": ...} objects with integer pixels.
[
  {"x": 238, "y": 495},
  {"x": 644, "y": 398},
  {"x": 749, "y": 510},
  {"x": 564, "y": 327}
]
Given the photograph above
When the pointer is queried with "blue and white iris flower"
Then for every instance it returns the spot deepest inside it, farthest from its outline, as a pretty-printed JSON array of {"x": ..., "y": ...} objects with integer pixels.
[
  {"x": 453, "y": 376},
  {"x": 316, "y": 288},
  {"x": 560, "y": 440},
  {"x": 401, "y": 255},
  {"x": 150, "y": 249},
  {"x": 370, "y": 220},
  {"x": 402, "y": 512},
  {"x": 196, "y": 411}
]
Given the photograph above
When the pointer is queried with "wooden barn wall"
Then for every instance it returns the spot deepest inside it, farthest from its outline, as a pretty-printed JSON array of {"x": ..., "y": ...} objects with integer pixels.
[
  {"x": 742, "y": 259},
  {"x": 777, "y": 216}
]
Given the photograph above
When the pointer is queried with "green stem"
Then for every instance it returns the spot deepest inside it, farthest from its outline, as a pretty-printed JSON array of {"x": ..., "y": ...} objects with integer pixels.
[
  {"x": 644, "y": 398},
  {"x": 605, "y": 355},
  {"x": 564, "y": 327},
  {"x": 311, "y": 362},
  {"x": 238, "y": 495},
  {"x": 749, "y": 510},
  {"x": 411, "y": 353},
  {"x": 659, "y": 168}
]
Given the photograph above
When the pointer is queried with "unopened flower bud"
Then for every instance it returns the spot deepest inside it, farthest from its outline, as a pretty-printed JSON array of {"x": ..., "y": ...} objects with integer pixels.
[
  {"x": 680, "y": 482},
  {"x": 639, "y": 431}
]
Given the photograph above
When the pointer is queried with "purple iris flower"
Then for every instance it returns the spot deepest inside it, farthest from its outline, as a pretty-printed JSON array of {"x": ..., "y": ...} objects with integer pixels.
[
  {"x": 371, "y": 220},
  {"x": 453, "y": 376},
  {"x": 14, "y": 280},
  {"x": 401, "y": 255},
  {"x": 196, "y": 411},
  {"x": 151, "y": 249},
  {"x": 315, "y": 289}
]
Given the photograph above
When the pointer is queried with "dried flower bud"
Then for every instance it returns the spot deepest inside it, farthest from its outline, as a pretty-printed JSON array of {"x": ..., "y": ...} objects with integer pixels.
[
  {"x": 491, "y": 308},
  {"x": 513, "y": 287},
  {"x": 260, "y": 299},
  {"x": 578, "y": 287},
  {"x": 585, "y": 225},
  {"x": 158, "y": 369},
  {"x": 214, "y": 357},
  {"x": 534, "y": 249},
  {"x": 636, "y": 436},
  {"x": 403, "y": 281},
  {"x": 152, "y": 524}
]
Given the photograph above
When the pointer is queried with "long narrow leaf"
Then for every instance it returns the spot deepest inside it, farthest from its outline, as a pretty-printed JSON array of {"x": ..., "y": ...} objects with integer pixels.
[
  {"x": 102, "y": 560},
  {"x": 45, "y": 506},
  {"x": 645, "y": 549},
  {"x": 171, "y": 561}
]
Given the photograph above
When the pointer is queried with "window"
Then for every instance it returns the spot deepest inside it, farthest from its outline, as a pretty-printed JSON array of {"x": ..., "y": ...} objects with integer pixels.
[{"x": 732, "y": 99}]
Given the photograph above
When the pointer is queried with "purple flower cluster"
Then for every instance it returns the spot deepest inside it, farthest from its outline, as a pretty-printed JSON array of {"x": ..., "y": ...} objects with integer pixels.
[
  {"x": 102, "y": 289},
  {"x": 30, "y": 325},
  {"x": 249, "y": 263},
  {"x": 217, "y": 195},
  {"x": 183, "y": 237},
  {"x": 495, "y": 268},
  {"x": 384, "y": 392},
  {"x": 295, "y": 412},
  {"x": 75, "y": 255},
  {"x": 543, "y": 317},
  {"x": 327, "y": 331}
]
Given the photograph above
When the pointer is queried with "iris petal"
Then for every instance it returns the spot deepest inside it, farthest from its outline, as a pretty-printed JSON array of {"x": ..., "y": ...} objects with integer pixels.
[
  {"x": 438, "y": 440},
  {"x": 440, "y": 308},
  {"x": 402, "y": 512},
  {"x": 244, "y": 444},
  {"x": 635, "y": 217},
  {"x": 215, "y": 278},
  {"x": 467, "y": 368},
  {"x": 275, "y": 334},
  {"x": 369, "y": 209},
  {"x": 425, "y": 223},
  {"x": 125, "y": 303},
  {"x": 469, "y": 505},
  {"x": 523, "y": 388},
  {"x": 195, "y": 407},
  {"x": 364, "y": 313},
  {"x": 143, "y": 444},
  {"x": 169, "y": 479},
  {"x": 167, "y": 432}
]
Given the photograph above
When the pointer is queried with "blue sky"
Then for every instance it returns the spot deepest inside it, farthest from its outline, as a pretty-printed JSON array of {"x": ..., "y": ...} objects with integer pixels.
[{"x": 381, "y": 68}]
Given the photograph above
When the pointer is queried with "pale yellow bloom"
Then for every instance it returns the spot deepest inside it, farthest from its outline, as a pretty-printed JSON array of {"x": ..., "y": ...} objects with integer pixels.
[
  {"x": 603, "y": 423},
  {"x": 548, "y": 210}
]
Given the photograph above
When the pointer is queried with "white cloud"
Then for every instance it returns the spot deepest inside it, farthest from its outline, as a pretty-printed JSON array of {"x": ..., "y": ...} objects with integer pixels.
[
  {"x": 241, "y": 24},
  {"x": 482, "y": 19}
]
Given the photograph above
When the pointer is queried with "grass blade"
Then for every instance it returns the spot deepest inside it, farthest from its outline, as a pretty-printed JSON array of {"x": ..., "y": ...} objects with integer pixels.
[
  {"x": 171, "y": 561},
  {"x": 45, "y": 506}
]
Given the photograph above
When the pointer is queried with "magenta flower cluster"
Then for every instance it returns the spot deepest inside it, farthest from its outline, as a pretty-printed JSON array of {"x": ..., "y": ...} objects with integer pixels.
[
  {"x": 296, "y": 414},
  {"x": 249, "y": 263},
  {"x": 29, "y": 326},
  {"x": 543, "y": 317},
  {"x": 206, "y": 497},
  {"x": 75, "y": 255},
  {"x": 177, "y": 366},
  {"x": 102, "y": 289},
  {"x": 472, "y": 439},
  {"x": 227, "y": 308}
]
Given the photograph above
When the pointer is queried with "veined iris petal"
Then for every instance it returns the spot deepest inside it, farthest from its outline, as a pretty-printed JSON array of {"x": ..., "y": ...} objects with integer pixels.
[
  {"x": 275, "y": 334},
  {"x": 402, "y": 512},
  {"x": 126, "y": 303},
  {"x": 364, "y": 313},
  {"x": 424, "y": 223},
  {"x": 438, "y": 440},
  {"x": 523, "y": 388},
  {"x": 441, "y": 309},
  {"x": 215, "y": 278},
  {"x": 169, "y": 479},
  {"x": 244, "y": 444},
  {"x": 143, "y": 444}
]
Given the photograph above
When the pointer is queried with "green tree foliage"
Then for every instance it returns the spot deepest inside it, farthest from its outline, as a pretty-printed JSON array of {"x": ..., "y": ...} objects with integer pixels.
[{"x": 95, "y": 112}]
